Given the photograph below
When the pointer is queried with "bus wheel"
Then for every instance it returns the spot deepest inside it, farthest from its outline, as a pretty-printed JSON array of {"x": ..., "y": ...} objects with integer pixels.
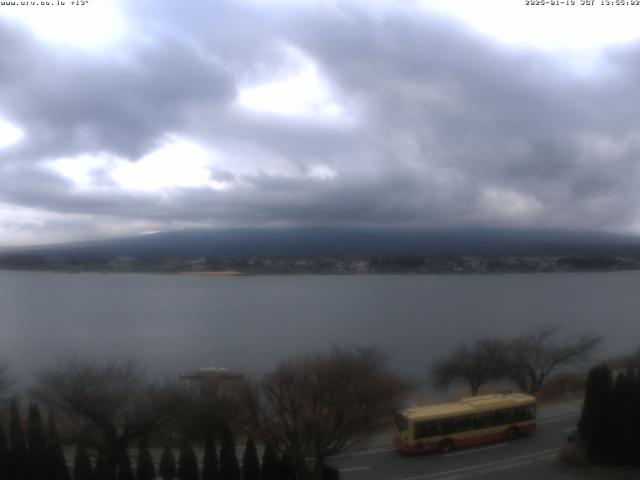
[
  {"x": 513, "y": 433},
  {"x": 446, "y": 445}
]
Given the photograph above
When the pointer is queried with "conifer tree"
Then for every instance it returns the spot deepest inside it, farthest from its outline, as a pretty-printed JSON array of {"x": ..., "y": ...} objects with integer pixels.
[
  {"x": 250, "y": 462},
  {"x": 5, "y": 457},
  {"x": 125, "y": 472},
  {"x": 595, "y": 427},
  {"x": 104, "y": 469},
  {"x": 210, "y": 468},
  {"x": 18, "y": 446},
  {"x": 82, "y": 468},
  {"x": 229, "y": 468},
  {"x": 634, "y": 421},
  {"x": 187, "y": 463},
  {"x": 167, "y": 467},
  {"x": 98, "y": 471},
  {"x": 622, "y": 411},
  {"x": 585, "y": 423},
  {"x": 287, "y": 467},
  {"x": 145, "y": 469},
  {"x": 330, "y": 473},
  {"x": 270, "y": 463},
  {"x": 58, "y": 469},
  {"x": 37, "y": 441}
]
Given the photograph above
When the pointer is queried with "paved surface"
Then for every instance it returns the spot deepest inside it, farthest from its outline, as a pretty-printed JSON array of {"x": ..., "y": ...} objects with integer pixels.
[{"x": 531, "y": 457}]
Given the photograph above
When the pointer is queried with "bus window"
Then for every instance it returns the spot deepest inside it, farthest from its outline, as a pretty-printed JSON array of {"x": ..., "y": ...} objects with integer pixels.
[
  {"x": 482, "y": 421},
  {"x": 499, "y": 417},
  {"x": 424, "y": 429},
  {"x": 461, "y": 424},
  {"x": 510, "y": 415},
  {"x": 467, "y": 423},
  {"x": 435, "y": 428}
]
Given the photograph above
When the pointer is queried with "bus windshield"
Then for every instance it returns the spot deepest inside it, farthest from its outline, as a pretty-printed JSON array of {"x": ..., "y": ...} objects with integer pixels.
[{"x": 402, "y": 423}]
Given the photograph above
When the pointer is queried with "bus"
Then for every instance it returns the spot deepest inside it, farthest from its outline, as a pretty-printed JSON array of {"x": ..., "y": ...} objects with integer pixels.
[{"x": 470, "y": 421}]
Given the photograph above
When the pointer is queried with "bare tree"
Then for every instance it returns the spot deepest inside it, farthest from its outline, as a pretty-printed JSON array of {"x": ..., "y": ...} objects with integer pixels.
[
  {"x": 315, "y": 406},
  {"x": 109, "y": 404},
  {"x": 482, "y": 362},
  {"x": 195, "y": 416},
  {"x": 535, "y": 354}
]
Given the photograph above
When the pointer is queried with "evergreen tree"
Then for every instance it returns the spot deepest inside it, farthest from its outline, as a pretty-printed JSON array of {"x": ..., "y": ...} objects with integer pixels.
[
  {"x": 125, "y": 472},
  {"x": 585, "y": 423},
  {"x": 187, "y": 463},
  {"x": 144, "y": 468},
  {"x": 36, "y": 439},
  {"x": 330, "y": 473},
  {"x": 595, "y": 422},
  {"x": 82, "y": 468},
  {"x": 210, "y": 469},
  {"x": 622, "y": 411},
  {"x": 18, "y": 446},
  {"x": 229, "y": 468},
  {"x": 270, "y": 463},
  {"x": 634, "y": 421},
  {"x": 58, "y": 469},
  {"x": 287, "y": 467},
  {"x": 5, "y": 456},
  {"x": 167, "y": 467},
  {"x": 250, "y": 462},
  {"x": 102, "y": 470}
]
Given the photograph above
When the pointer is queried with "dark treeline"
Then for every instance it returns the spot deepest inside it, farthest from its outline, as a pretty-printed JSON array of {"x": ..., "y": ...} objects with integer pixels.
[
  {"x": 306, "y": 410},
  {"x": 609, "y": 427},
  {"x": 330, "y": 264},
  {"x": 32, "y": 452},
  {"x": 36, "y": 453}
]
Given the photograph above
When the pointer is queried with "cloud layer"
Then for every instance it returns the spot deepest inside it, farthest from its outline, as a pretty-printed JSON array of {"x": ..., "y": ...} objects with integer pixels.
[{"x": 390, "y": 116}]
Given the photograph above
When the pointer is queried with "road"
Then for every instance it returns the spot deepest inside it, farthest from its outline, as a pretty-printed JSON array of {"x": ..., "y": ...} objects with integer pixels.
[{"x": 530, "y": 457}]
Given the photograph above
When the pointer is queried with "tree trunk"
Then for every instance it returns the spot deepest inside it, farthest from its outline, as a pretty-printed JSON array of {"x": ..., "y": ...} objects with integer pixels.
[
  {"x": 302, "y": 471},
  {"x": 114, "y": 451},
  {"x": 474, "y": 388},
  {"x": 318, "y": 466}
]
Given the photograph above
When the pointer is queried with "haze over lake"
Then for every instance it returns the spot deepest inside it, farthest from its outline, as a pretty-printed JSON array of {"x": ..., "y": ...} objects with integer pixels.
[{"x": 177, "y": 323}]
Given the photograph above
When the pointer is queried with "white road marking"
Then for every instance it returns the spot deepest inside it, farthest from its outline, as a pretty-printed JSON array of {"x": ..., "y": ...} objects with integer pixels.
[
  {"x": 354, "y": 469},
  {"x": 474, "y": 450},
  {"x": 544, "y": 458},
  {"x": 504, "y": 467},
  {"x": 569, "y": 429},
  {"x": 559, "y": 418},
  {"x": 474, "y": 467}
]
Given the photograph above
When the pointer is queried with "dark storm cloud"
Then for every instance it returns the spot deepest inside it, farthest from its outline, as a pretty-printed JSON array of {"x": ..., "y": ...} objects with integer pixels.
[
  {"x": 510, "y": 118},
  {"x": 119, "y": 103},
  {"x": 451, "y": 128}
]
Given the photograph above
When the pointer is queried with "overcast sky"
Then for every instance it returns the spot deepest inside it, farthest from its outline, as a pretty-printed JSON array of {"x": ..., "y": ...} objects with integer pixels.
[{"x": 120, "y": 118}]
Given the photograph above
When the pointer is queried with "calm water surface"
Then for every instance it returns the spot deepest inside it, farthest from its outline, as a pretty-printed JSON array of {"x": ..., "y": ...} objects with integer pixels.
[{"x": 174, "y": 323}]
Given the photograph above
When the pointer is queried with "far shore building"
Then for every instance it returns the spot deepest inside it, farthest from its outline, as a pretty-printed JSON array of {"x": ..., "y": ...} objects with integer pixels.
[{"x": 213, "y": 381}]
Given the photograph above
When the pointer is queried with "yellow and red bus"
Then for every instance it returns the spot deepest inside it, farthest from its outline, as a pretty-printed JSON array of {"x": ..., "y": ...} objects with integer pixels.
[{"x": 470, "y": 421}]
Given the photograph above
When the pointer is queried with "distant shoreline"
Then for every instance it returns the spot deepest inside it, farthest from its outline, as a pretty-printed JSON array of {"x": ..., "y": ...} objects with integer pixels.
[
  {"x": 235, "y": 273},
  {"x": 221, "y": 273}
]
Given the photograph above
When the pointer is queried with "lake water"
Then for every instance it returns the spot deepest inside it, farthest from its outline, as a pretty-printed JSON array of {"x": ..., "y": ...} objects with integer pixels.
[{"x": 177, "y": 323}]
